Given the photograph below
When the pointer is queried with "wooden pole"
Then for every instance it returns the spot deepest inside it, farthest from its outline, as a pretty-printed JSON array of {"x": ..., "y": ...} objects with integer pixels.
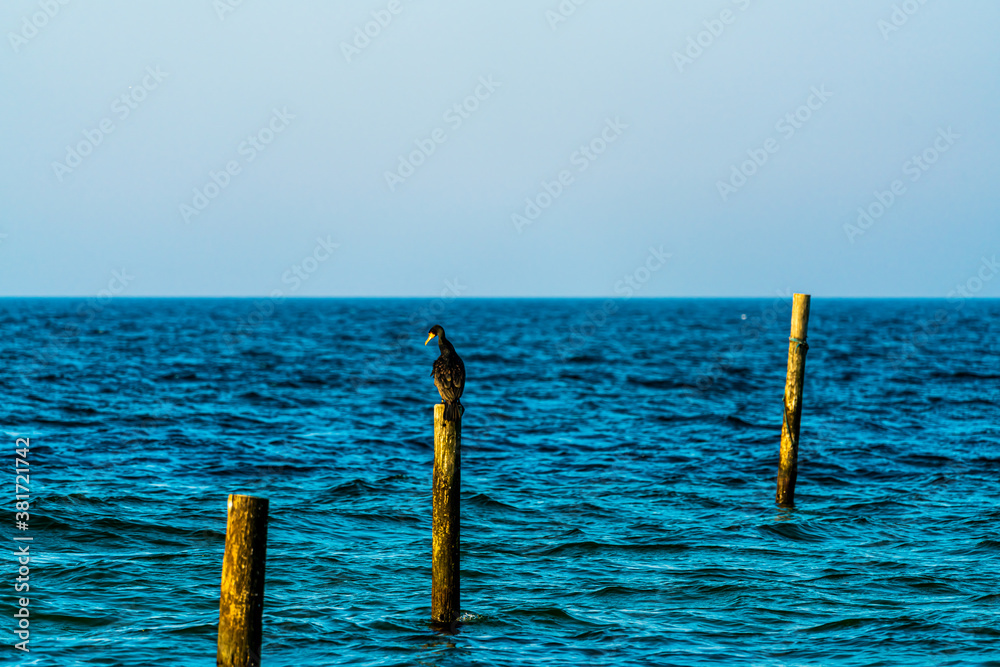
[
  {"x": 797, "y": 348},
  {"x": 241, "y": 605},
  {"x": 445, "y": 603}
]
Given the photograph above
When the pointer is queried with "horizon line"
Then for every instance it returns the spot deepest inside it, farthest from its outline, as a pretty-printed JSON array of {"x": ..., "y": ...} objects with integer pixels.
[{"x": 473, "y": 298}]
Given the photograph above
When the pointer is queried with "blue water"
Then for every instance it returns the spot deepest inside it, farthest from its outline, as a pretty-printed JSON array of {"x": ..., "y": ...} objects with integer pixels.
[{"x": 618, "y": 480}]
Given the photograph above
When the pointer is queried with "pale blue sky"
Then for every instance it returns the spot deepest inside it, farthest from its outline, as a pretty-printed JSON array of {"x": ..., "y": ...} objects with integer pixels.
[{"x": 331, "y": 117}]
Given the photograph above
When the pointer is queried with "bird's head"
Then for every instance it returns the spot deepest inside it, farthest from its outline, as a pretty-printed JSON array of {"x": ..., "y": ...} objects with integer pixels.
[{"x": 436, "y": 330}]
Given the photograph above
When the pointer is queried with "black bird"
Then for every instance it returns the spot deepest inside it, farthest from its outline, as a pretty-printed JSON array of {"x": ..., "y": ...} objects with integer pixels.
[{"x": 449, "y": 374}]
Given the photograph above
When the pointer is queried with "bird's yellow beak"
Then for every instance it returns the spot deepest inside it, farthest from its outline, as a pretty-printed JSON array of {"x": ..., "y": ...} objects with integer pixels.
[{"x": 429, "y": 336}]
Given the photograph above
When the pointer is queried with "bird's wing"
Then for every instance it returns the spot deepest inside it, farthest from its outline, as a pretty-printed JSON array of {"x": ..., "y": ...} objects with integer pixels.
[
  {"x": 455, "y": 377},
  {"x": 449, "y": 374}
]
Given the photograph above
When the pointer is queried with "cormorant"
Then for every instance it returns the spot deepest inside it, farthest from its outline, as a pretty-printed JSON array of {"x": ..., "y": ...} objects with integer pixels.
[{"x": 449, "y": 374}]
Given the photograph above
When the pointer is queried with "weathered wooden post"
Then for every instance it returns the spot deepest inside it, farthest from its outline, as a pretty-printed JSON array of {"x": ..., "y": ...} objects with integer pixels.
[
  {"x": 445, "y": 598},
  {"x": 797, "y": 348},
  {"x": 241, "y": 605}
]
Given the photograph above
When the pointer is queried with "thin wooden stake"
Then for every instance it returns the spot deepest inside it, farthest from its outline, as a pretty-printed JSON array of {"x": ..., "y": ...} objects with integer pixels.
[
  {"x": 445, "y": 597},
  {"x": 797, "y": 347},
  {"x": 241, "y": 605}
]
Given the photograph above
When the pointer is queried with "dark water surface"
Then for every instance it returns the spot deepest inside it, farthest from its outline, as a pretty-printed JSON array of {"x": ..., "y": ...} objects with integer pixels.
[{"x": 618, "y": 482}]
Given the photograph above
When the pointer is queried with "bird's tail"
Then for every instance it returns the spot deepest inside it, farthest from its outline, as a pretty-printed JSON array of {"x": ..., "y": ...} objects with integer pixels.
[{"x": 453, "y": 411}]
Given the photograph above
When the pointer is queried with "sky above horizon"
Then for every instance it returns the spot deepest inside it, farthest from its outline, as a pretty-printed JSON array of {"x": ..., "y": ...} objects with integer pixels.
[{"x": 400, "y": 148}]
